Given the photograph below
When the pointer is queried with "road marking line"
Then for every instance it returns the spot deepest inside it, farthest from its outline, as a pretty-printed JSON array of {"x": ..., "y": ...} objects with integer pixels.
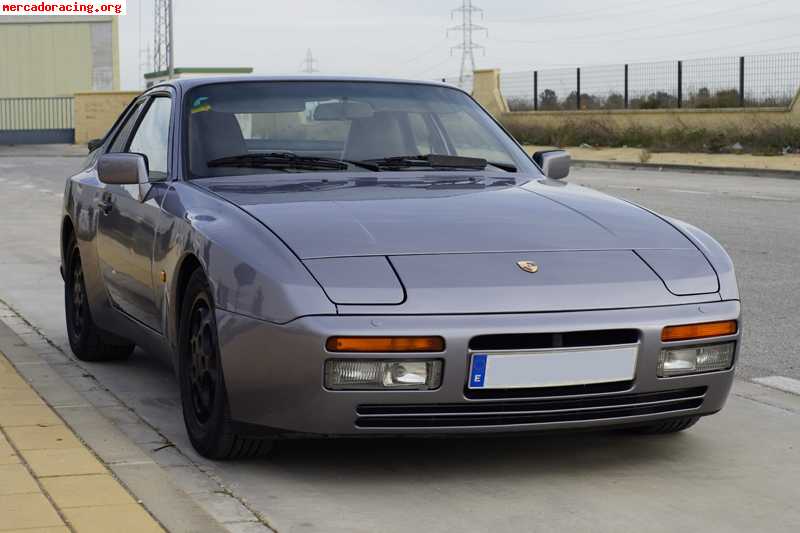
[
  {"x": 626, "y": 187},
  {"x": 686, "y": 191},
  {"x": 785, "y": 384},
  {"x": 771, "y": 198}
]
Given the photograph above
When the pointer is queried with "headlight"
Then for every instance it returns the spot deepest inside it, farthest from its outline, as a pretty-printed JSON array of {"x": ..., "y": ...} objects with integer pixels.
[
  {"x": 680, "y": 361},
  {"x": 358, "y": 374}
]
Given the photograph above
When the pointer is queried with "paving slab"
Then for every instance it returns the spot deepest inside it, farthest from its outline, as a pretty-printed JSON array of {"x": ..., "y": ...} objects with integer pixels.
[
  {"x": 50, "y": 479},
  {"x": 25, "y": 511}
]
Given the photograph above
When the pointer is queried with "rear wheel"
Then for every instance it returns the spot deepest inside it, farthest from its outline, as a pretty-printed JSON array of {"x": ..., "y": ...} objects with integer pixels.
[
  {"x": 673, "y": 425},
  {"x": 87, "y": 341},
  {"x": 203, "y": 395}
]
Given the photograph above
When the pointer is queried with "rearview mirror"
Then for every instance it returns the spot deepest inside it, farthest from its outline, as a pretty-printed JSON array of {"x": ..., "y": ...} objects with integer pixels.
[
  {"x": 122, "y": 169},
  {"x": 554, "y": 163},
  {"x": 345, "y": 110},
  {"x": 94, "y": 144}
]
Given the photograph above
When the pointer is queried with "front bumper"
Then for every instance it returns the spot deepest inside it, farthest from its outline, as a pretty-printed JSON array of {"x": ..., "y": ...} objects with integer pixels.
[{"x": 274, "y": 375}]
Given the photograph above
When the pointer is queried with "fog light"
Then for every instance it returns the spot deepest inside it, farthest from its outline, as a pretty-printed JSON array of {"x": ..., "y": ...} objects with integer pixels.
[
  {"x": 356, "y": 374},
  {"x": 681, "y": 361}
]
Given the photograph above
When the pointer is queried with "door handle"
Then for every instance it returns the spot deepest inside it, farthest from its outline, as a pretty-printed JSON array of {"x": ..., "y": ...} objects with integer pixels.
[{"x": 105, "y": 205}]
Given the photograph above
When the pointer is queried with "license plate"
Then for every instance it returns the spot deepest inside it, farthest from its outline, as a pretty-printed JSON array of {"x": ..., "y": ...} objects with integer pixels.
[{"x": 552, "y": 368}]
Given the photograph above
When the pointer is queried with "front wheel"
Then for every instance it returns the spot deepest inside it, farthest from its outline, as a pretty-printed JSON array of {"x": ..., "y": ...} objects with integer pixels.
[
  {"x": 87, "y": 341},
  {"x": 204, "y": 398}
]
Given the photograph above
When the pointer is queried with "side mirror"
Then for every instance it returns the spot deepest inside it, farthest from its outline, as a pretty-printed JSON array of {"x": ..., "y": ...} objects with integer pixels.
[
  {"x": 94, "y": 144},
  {"x": 122, "y": 169},
  {"x": 554, "y": 163}
]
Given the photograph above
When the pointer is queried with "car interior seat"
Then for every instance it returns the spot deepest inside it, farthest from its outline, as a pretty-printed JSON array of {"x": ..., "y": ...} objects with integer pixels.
[{"x": 213, "y": 135}]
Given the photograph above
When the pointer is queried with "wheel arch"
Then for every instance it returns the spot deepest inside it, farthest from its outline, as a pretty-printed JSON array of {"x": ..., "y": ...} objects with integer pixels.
[
  {"x": 67, "y": 235},
  {"x": 188, "y": 265}
]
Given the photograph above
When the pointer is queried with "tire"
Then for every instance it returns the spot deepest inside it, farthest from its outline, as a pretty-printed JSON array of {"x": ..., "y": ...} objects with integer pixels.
[
  {"x": 673, "y": 425},
  {"x": 87, "y": 341},
  {"x": 204, "y": 398}
]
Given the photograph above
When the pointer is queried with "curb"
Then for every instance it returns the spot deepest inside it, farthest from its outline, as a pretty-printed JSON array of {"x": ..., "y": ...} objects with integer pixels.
[
  {"x": 145, "y": 479},
  {"x": 692, "y": 169},
  {"x": 76, "y": 156}
]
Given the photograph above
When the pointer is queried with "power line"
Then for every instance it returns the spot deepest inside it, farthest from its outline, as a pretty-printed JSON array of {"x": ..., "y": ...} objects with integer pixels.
[
  {"x": 594, "y": 14},
  {"x": 661, "y": 24},
  {"x": 309, "y": 63},
  {"x": 653, "y": 37},
  {"x": 423, "y": 53},
  {"x": 467, "y": 46}
]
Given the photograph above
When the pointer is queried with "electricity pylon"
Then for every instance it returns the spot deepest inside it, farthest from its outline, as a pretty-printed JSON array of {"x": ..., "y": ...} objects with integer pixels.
[
  {"x": 467, "y": 45},
  {"x": 164, "y": 53},
  {"x": 309, "y": 63}
]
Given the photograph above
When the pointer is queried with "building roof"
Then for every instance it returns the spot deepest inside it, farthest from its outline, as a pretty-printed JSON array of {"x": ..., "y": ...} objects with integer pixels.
[
  {"x": 201, "y": 70},
  {"x": 44, "y": 19}
]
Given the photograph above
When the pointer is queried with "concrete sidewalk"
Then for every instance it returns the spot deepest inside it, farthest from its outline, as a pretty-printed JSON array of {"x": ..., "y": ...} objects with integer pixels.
[
  {"x": 49, "y": 478},
  {"x": 43, "y": 150},
  {"x": 742, "y": 163}
]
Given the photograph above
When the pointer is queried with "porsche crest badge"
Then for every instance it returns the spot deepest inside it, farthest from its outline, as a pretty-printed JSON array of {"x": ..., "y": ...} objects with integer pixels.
[{"x": 528, "y": 266}]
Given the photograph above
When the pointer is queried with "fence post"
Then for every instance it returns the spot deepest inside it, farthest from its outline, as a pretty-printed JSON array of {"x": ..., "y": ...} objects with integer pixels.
[
  {"x": 741, "y": 81},
  {"x": 536, "y": 90},
  {"x": 680, "y": 84},
  {"x": 626, "y": 86},
  {"x": 578, "y": 98}
]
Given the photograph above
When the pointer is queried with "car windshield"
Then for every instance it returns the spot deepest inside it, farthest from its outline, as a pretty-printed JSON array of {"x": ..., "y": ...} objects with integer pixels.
[{"x": 237, "y": 128}]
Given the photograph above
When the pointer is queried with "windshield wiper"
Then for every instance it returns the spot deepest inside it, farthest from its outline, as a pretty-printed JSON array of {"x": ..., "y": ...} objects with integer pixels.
[
  {"x": 280, "y": 161},
  {"x": 436, "y": 161},
  {"x": 508, "y": 167},
  {"x": 429, "y": 160}
]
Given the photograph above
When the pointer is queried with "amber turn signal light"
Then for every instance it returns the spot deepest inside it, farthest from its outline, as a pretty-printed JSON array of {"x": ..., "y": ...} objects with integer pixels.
[
  {"x": 385, "y": 344},
  {"x": 699, "y": 331}
]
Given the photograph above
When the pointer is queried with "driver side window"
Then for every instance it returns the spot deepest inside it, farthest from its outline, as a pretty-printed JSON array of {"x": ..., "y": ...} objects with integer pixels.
[{"x": 152, "y": 137}]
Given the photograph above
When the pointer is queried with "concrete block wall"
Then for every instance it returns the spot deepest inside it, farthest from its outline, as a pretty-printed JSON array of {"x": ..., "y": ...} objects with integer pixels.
[{"x": 96, "y": 112}]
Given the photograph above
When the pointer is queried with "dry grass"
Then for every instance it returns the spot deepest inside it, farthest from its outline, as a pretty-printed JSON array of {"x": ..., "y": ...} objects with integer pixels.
[{"x": 761, "y": 140}]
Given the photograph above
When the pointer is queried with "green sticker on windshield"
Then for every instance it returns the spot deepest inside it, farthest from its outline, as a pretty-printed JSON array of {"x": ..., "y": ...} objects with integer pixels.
[{"x": 201, "y": 105}]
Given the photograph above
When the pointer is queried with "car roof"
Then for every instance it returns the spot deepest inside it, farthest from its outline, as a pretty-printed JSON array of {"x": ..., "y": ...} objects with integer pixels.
[{"x": 188, "y": 83}]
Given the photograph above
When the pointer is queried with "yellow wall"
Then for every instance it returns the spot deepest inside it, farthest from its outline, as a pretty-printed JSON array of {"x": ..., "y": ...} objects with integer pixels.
[
  {"x": 96, "y": 112},
  {"x": 487, "y": 89},
  {"x": 49, "y": 58}
]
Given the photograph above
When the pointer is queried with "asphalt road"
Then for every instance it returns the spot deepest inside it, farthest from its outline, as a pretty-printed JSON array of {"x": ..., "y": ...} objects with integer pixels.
[
  {"x": 757, "y": 220},
  {"x": 736, "y": 471}
]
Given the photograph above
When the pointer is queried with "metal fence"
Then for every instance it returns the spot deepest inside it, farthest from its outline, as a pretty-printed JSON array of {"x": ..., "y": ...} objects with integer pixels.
[
  {"x": 50, "y": 113},
  {"x": 36, "y": 120},
  {"x": 746, "y": 81}
]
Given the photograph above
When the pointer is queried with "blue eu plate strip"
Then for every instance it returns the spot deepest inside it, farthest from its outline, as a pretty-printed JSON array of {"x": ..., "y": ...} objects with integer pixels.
[{"x": 478, "y": 373}]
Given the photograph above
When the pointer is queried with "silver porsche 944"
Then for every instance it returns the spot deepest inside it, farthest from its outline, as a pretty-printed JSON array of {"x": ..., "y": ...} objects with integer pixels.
[{"x": 360, "y": 257}]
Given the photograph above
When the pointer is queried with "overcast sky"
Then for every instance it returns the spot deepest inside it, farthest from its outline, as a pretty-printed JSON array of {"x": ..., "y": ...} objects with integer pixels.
[{"x": 407, "y": 38}]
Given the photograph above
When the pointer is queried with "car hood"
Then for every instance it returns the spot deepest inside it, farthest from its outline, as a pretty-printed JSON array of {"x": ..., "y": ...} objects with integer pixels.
[
  {"x": 412, "y": 213},
  {"x": 418, "y": 244}
]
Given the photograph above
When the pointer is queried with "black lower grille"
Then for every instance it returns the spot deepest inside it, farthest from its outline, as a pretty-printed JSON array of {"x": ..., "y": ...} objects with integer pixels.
[
  {"x": 547, "y": 392},
  {"x": 538, "y": 341},
  {"x": 527, "y": 412}
]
